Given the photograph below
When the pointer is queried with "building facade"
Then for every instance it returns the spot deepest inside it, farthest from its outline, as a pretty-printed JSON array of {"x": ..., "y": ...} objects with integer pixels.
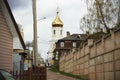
[{"x": 9, "y": 34}]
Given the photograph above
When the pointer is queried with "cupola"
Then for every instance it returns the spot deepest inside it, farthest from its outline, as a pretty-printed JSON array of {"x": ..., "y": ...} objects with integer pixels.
[{"x": 57, "y": 22}]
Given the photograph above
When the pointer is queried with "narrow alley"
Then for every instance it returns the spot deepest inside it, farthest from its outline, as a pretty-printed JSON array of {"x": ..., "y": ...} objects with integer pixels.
[
  {"x": 59, "y": 39},
  {"x": 57, "y": 76}
]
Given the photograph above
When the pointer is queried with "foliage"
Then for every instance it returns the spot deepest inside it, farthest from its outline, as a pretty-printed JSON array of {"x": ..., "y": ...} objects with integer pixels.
[
  {"x": 54, "y": 69},
  {"x": 96, "y": 36},
  {"x": 102, "y": 14}
]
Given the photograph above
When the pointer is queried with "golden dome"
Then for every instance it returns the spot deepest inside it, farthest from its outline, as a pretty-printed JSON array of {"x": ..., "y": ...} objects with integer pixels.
[{"x": 57, "y": 22}]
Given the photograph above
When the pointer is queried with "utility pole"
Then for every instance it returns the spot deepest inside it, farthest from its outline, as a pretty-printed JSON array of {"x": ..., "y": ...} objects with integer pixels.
[{"x": 35, "y": 49}]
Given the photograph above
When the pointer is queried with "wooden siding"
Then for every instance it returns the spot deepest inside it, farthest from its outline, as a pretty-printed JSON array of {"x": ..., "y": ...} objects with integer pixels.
[{"x": 6, "y": 44}]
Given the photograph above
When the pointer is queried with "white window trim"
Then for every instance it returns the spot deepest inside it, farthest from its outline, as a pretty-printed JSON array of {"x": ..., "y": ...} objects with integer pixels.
[{"x": 74, "y": 44}]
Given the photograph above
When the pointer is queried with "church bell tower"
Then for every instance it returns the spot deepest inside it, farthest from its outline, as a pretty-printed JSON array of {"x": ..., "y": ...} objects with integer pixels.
[{"x": 57, "y": 29}]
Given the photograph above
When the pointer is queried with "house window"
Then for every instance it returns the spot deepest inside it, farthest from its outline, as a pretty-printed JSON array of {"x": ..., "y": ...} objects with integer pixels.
[
  {"x": 74, "y": 44},
  {"x": 62, "y": 44}
]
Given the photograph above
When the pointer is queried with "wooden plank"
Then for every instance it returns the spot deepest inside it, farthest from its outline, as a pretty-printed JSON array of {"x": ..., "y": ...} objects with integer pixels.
[{"x": 6, "y": 44}]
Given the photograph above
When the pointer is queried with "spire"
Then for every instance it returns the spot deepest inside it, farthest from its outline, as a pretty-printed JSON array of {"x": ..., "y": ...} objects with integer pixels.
[
  {"x": 57, "y": 11},
  {"x": 57, "y": 22}
]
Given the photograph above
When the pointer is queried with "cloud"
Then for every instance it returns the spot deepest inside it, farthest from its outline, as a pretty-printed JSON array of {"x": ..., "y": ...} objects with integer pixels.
[{"x": 19, "y": 4}]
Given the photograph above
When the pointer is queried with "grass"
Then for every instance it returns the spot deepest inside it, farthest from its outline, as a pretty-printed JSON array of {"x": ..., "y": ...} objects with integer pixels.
[{"x": 54, "y": 69}]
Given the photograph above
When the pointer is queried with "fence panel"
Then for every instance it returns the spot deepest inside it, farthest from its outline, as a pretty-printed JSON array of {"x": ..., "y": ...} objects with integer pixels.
[{"x": 35, "y": 73}]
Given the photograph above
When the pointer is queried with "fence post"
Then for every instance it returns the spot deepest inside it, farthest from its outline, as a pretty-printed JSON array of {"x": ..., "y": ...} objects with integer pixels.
[{"x": 45, "y": 73}]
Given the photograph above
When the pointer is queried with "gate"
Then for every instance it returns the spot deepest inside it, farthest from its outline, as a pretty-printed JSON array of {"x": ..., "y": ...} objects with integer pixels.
[{"x": 39, "y": 73}]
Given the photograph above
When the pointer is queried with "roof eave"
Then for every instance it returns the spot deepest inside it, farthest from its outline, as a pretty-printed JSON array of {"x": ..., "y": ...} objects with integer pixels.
[{"x": 15, "y": 24}]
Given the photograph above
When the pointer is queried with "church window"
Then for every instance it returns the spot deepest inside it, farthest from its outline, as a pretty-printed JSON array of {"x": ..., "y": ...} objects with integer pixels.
[
  {"x": 61, "y": 32},
  {"x": 54, "y": 32}
]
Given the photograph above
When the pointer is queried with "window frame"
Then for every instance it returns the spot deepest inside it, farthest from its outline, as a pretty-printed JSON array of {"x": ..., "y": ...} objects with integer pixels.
[
  {"x": 62, "y": 44},
  {"x": 74, "y": 44}
]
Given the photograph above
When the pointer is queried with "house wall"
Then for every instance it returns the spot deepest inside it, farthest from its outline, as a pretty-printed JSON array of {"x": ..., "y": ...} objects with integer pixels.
[
  {"x": 6, "y": 44},
  {"x": 16, "y": 61},
  {"x": 95, "y": 61},
  {"x": 16, "y": 43}
]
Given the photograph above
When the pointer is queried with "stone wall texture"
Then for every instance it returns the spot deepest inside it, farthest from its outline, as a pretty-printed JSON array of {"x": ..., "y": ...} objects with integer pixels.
[{"x": 97, "y": 61}]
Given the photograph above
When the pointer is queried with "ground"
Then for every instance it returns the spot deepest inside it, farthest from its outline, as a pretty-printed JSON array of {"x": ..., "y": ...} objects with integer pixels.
[{"x": 57, "y": 76}]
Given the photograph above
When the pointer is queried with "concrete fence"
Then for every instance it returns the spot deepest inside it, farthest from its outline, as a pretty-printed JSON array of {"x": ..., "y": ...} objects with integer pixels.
[{"x": 98, "y": 60}]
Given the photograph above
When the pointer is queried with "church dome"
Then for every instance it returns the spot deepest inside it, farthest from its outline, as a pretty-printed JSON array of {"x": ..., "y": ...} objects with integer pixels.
[{"x": 57, "y": 22}]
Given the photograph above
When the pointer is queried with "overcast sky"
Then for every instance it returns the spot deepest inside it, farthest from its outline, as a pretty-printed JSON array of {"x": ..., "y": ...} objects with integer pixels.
[{"x": 70, "y": 12}]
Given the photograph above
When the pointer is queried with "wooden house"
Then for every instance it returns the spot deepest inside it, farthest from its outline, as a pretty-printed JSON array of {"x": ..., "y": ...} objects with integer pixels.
[
  {"x": 71, "y": 42},
  {"x": 8, "y": 32}
]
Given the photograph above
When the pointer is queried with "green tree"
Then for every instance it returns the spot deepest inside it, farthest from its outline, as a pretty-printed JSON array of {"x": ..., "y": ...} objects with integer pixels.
[{"x": 102, "y": 14}]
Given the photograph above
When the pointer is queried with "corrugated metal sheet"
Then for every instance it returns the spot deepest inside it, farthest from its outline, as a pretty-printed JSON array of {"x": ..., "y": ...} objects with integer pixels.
[{"x": 6, "y": 44}]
